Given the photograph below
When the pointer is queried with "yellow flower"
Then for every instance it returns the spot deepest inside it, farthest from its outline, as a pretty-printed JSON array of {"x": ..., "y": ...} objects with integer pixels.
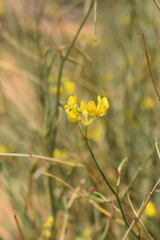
[
  {"x": 3, "y": 149},
  {"x": 86, "y": 232},
  {"x": 69, "y": 86},
  {"x": 73, "y": 115},
  {"x": 109, "y": 76},
  {"x": 49, "y": 222},
  {"x": 46, "y": 233},
  {"x": 147, "y": 103},
  {"x": 58, "y": 153},
  {"x": 72, "y": 101},
  {"x": 83, "y": 108},
  {"x": 150, "y": 210},
  {"x": 1, "y": 7},
  {"x": 102, "y": 106},
  {"x": 86, "y": 113},
  {"x": 92, "y": 109}
]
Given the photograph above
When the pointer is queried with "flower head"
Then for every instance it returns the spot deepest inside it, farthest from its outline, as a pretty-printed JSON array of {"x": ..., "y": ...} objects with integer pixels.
[
  {"x": 87, "y": 112},
  {"x": 150, "y": 210},
  {"x": 73, "y": 115},
  {"x": 102, "y": 106}
]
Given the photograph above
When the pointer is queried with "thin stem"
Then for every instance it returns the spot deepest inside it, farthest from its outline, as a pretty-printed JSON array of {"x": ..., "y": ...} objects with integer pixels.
[
  {"x": 19, "y": 228},
  {"x": 157, "y": 4},
  {"x": 53, "y": 160},
  {"x": 68, "y": 52},
  {"x": 140, "y": 211},
  {"x": 137, "y": 173},
  {"x": 106, "y": 179},
  {"x": 150, "y": 70},
  {"x": 53, "y": 132}
]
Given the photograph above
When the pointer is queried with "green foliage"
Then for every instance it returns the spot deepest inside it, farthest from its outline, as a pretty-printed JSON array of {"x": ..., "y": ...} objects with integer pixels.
[{"x": 51, "y": 50}]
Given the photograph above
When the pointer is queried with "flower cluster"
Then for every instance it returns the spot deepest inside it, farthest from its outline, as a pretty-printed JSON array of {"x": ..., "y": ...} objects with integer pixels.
[
  {"x": 46, "y": 228},
  {"x": 86, "y": 113}
]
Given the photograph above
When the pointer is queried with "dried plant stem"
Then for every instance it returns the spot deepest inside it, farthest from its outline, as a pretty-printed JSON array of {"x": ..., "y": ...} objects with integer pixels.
[
  {"x": 150, "y": 70},
  {"x": 94, "y": 204},
  {"x": 53, "y": 131},
  {"x": 141, "y": 210},
  {"x": 63, "y": 59},
  {"x": 54, "y": 160},
  {"x": 136, "y": 215},
  {"x": 137, "y": 173},
  {"x": 157, "y": 4},
  {"x": 19, "y": 228},
  {"x": 156, "y": 144}
]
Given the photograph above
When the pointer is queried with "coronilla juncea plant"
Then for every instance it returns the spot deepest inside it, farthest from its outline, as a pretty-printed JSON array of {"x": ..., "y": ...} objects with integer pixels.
[{"x": 86, "y": 112}]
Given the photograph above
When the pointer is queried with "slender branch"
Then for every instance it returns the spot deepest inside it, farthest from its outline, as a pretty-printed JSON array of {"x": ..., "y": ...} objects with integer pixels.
[
  {"x": 106, "y": 179},
  {"x": 140, "y": 211},
  {"x": 68, "y": 52},
  {"x": 156, "y": 145},
  {"x": 149, "y": 197},
  {"x": 134, "y": 221},
  {"x": 157, "y": 4},
  {"x": 95, "y": 205},
  {"x": 137, "y": 173},
  {"x": 19, "y": 228},
  {"x": 54, "y": 160},
  {"x": 149, "y": 66}
]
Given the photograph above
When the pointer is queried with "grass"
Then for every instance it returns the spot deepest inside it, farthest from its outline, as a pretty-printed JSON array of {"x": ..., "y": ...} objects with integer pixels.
[{"x": 49, "y": 53}]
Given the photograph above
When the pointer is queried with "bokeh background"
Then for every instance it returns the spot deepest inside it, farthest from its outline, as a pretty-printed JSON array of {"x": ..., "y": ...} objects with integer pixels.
[{"x": 115, "y": 67}]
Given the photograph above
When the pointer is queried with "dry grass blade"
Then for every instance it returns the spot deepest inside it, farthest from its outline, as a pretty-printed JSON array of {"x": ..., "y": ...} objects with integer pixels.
[
  {"x": 157, "y": 4},
  {"x": 95, "y": 205},
  {"x": 54, "y": 160},
  {"x": 149, "y": 66}
]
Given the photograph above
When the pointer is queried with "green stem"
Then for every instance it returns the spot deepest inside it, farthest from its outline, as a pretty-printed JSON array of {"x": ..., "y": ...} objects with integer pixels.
[
  {"x": 136, "y": 174},
  {"x": 106, "y": 179},
  {"x": 54, "y": 129},
  {"x": 68, "y": 52}
]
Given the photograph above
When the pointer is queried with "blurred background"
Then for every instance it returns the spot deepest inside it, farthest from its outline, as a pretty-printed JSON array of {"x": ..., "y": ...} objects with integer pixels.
[{"x": 32, "y": 34}]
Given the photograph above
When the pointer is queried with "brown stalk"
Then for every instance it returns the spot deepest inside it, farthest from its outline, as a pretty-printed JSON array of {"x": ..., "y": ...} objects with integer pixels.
[
  {"x": 149, "y": 66},
  {"x": 157, "y": 4},
  {"x": 19, "y": 228},
  {"x": 94, "y": 204}
]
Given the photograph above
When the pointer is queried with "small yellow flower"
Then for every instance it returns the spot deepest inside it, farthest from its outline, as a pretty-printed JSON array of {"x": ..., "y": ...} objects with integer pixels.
[
  {"x": 102, "y": 106},
  {"x": 92, "y": 110},
  {"x": 73, "y": 115},
  {"x": 87, "y": 232},
  {"x": 58, "y": 153},
  {"x": 69, "y": 87},
  {"x": 3, "y": 149},
  {"x": 83, "y": 108},
  {"x": 150, "y": 210},
  {"x": 109, "y": 76},
  {"x": 46, "y": 233},
  {"x": 48, "y": 222},
  {"x": 72, "y": 101},
  {"x": 147, "y": 103},
  {"x": 86, "y": 113}
]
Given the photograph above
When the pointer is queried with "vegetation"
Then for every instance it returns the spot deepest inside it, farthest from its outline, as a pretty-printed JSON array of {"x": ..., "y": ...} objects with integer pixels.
[{"x": 79, "y": 120}]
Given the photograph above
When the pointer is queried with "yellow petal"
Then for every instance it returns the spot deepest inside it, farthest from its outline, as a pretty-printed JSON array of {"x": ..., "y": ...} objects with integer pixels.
[
  {"x": 92, "y": 109},
  {"x": 102, "y": 106},
  {"x": 83, "y": 107},
  {"x": 150, "y": 209},
  {"x": 73, "y": 115},
  {"x": 72, "y": 101},
  {"x": 67, "y": 108}
]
